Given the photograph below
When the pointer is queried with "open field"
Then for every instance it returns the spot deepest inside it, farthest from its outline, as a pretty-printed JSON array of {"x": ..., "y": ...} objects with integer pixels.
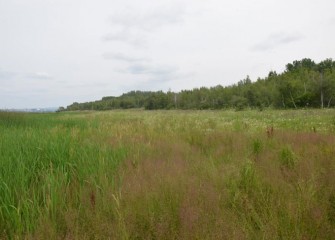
[{"x": 168, "y": 175}]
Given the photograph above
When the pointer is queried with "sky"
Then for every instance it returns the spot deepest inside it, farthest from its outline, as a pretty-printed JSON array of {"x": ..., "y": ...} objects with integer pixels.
[{"x": 56, "y": 52}]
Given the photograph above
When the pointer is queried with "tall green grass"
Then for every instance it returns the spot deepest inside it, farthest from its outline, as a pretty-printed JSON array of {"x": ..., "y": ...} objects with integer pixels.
[
  {"x": 167, "y": 175},
  {"x": 46, "y": 164}
]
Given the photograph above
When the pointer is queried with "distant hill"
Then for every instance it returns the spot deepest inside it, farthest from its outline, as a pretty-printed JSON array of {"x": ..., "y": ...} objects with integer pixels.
[{"x": 303, "y": 84}]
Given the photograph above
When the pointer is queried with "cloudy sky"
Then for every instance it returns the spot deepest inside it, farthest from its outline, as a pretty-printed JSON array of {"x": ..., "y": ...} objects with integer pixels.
[{"x": 55, "y": 52}]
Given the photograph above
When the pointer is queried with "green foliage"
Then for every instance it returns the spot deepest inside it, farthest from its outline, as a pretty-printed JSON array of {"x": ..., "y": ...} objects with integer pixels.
[
  {"x": 239, "y": 103},
  {"x": 304, "y": 84},
  {"x": 287, "y": 158},
  {"x": 257, "y": 147},
  {"x": 157, "y": 100},
  {"x": 248, "y": 179}
]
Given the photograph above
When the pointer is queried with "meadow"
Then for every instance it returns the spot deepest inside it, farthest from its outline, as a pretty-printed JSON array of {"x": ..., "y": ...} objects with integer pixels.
[{"x": 168, "y": 175}]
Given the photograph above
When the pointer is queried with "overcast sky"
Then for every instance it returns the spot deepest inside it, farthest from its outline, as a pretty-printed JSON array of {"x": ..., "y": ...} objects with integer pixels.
[{"x": 55, "y": 52}]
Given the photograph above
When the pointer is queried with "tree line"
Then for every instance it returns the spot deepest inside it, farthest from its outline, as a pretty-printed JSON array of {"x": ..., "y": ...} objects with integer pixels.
[{"x": 303, "y": 84}]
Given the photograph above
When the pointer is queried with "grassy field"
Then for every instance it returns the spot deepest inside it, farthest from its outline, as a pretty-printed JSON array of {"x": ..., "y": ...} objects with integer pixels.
[{"x": 168, "y": 175}]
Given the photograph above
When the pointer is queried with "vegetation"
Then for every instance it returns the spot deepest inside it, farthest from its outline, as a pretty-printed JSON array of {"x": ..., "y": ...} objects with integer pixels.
[
  {"x": 168, "y": 175},
  {"x": 304, "y": 84}
]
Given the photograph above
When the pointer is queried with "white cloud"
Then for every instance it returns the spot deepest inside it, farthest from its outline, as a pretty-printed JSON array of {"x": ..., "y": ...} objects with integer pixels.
[
  {"x": 40, "y": 76},
  {"x": 148, "y": 19},
  {"x": 276, "y": 40},
  {"x": 122, "y": 57},
  {"x": 6, "y": 75},
  {"x": 134, "y": 25},
  {"x": 151, "y": 70}
]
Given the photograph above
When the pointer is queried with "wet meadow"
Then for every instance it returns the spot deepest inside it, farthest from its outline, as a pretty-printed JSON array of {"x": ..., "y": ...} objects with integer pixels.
[{"x": 135, "y": 174}]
